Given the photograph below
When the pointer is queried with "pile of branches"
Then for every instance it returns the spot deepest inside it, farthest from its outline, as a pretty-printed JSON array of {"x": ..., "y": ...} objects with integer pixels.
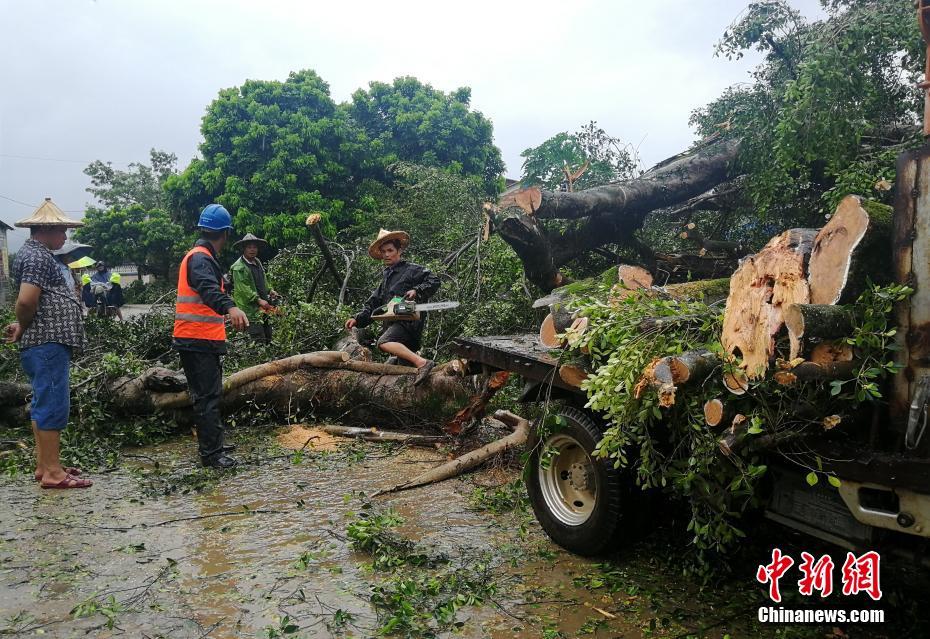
[{"x": 699, "y": 391}]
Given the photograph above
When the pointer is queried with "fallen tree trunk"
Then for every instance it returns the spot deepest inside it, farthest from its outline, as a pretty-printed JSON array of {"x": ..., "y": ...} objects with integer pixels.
[
  {"x": 14, "y": 393},
  {"x": 853, "y": 244},
  {"x": 607, "y": 214},
  {"x": 521, "y": 430},
  {"x": 323, "y": 383}
]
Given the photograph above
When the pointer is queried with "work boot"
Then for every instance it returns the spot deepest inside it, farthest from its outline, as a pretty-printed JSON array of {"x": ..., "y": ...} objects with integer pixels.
[{"x": 220, "y": 460}]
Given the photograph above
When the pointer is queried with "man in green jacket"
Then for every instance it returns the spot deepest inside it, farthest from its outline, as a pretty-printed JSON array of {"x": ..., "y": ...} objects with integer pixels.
[{"x": 251, "y": 290}]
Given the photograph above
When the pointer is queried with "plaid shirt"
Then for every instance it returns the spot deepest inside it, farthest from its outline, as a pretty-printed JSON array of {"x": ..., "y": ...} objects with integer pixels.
[{"x": 59, "y": 317}]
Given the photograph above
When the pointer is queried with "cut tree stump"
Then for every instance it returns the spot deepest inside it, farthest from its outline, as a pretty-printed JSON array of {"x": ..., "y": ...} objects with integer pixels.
[
  {"x": 715, "y": 412},
  {"x": 835, "y": 249},
  {"x": 760, "y": 288},
  {"x": 634, "y": 277},
  {"x": 521, "y": 430}
]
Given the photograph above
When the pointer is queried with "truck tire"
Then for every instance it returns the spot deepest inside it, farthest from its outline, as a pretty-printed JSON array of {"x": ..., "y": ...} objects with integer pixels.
[{"x": 578, "y": 499}]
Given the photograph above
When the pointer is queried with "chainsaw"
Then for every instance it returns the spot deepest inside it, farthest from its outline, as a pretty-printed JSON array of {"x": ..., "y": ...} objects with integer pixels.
[{"x": 399, "y": 309}]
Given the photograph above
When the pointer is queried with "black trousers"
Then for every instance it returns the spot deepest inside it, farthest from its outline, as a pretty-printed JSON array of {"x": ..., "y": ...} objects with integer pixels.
[{"x": 205, "y": 383}]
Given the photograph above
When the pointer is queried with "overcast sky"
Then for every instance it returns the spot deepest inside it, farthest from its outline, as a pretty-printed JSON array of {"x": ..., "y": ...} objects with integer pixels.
[{"x": 109, "y": 79}]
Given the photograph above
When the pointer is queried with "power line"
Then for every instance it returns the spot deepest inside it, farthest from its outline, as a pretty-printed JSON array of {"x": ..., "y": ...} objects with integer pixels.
[
  {"x": 16, "y": 201},
  {"x": 32, "y": 206},
  {"x": 33, "y": 157}
]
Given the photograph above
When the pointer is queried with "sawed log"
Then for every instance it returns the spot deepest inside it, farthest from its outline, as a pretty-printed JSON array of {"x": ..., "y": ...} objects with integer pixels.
[{"x": 816, "y": 321}]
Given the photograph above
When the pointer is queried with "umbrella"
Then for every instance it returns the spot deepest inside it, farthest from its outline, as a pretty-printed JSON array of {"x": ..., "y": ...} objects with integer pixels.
[{"x": 84, "y": 262}]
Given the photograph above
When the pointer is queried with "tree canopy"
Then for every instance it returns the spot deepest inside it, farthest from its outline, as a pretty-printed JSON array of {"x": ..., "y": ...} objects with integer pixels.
[
  {"x": 604, "y": 158},
  {"x": 274, "y": 151},
  {"x": 133, "y": 225}
]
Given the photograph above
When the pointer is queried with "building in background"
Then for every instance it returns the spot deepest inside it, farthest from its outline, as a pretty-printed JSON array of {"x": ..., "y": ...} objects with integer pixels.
[{"x": 4, "y": 262}]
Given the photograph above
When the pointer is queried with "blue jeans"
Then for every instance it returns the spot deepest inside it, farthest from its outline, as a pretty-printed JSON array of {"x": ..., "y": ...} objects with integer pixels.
[{"x": 48, "y": 367}]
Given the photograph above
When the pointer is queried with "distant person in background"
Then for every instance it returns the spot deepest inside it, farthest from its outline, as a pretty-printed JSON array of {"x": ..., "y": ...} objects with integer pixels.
[
  {"x": 115, "y": 297},
  {"x": 64, "y": 256},
  {"x": 251, "y": 290},
  {"x": 87, "y": 296},
  {"x": 102, "y": 273}
]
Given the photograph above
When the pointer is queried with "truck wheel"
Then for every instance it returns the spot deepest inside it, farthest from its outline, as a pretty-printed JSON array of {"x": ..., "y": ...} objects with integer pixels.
[{"x": 578, "y": 499}]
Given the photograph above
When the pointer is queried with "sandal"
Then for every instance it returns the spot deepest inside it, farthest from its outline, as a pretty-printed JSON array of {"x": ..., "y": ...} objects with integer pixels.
[
  {"x": 71, "y": 470},
  {"x": 70, "y": 482},
  {"x": 423, "y": 372}
]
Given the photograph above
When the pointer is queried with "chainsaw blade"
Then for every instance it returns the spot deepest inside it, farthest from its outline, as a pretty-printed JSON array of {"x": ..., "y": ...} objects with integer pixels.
[{"x": 436, "y": 306}]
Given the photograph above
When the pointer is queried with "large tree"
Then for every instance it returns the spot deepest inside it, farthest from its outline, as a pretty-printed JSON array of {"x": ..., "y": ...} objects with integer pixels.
[
  {"x": 413, "y": 122},
  {"x": 274, "y": 151},
  {"x": 133, "y": 225},
  {"x": 148, "y": 238},
  {"x": 832, "y": 105}
]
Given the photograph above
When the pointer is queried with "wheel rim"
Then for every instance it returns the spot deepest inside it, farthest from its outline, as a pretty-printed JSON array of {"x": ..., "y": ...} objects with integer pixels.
[{"x": 568, "y": 485}]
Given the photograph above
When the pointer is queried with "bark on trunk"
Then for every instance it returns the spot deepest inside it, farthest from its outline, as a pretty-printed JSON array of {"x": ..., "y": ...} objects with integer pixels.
[
  {"x": 816, "y": 321},
  {"x": 355, "y": 392}
]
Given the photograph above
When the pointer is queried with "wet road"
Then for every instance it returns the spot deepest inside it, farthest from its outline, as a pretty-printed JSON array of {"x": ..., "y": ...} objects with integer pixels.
[{"x": 168, "y": 551}]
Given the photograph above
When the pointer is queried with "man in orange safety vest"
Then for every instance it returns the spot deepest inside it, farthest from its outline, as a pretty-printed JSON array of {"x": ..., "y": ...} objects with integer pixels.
[{"x": 203, "y": 303}]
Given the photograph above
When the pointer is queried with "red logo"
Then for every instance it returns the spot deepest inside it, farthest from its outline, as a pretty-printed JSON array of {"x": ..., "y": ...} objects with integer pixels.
[{"x": 772, "y": 572}]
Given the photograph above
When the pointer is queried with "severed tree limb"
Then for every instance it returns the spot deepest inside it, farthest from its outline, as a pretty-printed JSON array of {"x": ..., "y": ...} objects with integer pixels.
[
  {"x": 313, "y": 223},
  {"x": 478, "y": 404},
  {"x": 715, "y": 412},
  {"x": 521, "y": 430},
  {"x": 605, "y": 214}
]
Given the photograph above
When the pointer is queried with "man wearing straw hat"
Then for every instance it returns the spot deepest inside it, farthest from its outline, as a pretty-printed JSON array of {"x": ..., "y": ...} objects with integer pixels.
[
  {"x": 400, "y": 279},
  {"x": 49, "y": 327},
  {"x": 251, "y": 290}
]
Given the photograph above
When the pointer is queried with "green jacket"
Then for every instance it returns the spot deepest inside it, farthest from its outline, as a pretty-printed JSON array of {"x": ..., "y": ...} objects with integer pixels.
[{"x": 245, "y": 293}]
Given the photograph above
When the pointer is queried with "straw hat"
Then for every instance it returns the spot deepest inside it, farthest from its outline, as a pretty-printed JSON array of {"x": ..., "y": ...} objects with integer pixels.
[
  {"x": 248, "y": 237},
  {"x": 383, "y": 236},
  {"x": 48, "y": 215}
]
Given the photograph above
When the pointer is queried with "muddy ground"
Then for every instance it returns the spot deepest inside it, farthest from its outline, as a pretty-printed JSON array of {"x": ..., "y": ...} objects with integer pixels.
[{"x": 162, "y": 548}]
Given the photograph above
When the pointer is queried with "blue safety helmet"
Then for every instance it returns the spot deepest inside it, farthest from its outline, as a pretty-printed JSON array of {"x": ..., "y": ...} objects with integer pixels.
[{"x": 215, "y": 218}]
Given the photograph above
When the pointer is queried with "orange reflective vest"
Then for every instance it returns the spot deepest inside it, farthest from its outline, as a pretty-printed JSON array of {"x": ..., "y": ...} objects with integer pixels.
[{"x": 192, "y": 318}]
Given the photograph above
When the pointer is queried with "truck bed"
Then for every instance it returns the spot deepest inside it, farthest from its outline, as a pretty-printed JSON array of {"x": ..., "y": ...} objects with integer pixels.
[{"x": 520, "y": 354}]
